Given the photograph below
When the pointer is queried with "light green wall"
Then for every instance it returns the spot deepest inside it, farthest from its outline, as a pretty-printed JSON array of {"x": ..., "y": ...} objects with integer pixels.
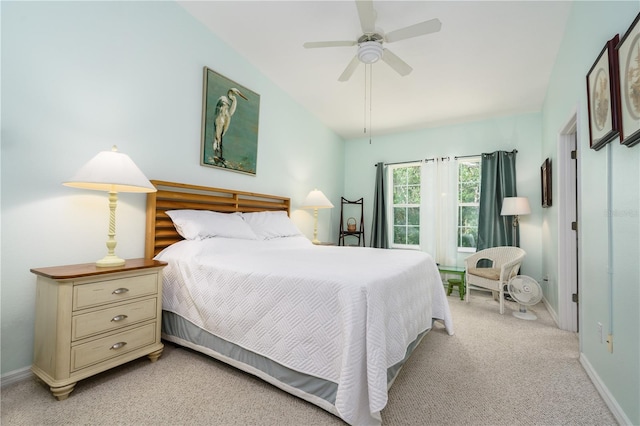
[
  {"x": 590, "y": 25},
  {"x": 78, "y": 77},
  {"x": 521, "y": 132}
]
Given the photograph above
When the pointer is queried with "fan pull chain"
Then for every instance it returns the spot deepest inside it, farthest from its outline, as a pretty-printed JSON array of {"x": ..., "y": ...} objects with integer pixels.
[
  {"x": 368, "y": 89},
  {"x": 370, "y": 100},
  {"x": 365, "y": 100}
]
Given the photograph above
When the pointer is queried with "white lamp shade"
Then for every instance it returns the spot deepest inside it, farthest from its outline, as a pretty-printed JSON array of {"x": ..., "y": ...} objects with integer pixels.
[
  {"x": 515, "y": 206},
  {"x": 111, "y": 171},
  {"x": 316, "y": 200}
]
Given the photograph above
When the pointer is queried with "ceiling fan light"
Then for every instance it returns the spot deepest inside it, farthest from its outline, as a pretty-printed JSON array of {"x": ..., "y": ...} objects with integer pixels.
[{"x": 370, "y": 52}]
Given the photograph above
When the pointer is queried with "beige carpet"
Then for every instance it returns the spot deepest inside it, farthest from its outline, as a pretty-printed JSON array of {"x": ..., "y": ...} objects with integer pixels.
[{"x": 496, "y": 370}]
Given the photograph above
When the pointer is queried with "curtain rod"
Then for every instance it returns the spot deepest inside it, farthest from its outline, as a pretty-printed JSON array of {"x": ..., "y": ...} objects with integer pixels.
[
  {"x": 406, "y": 162},
  {"x": 515, "y": 151}
]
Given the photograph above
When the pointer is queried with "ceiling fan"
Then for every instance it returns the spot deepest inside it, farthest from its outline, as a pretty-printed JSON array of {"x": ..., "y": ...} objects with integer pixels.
[{"x": 370, "y": 43}]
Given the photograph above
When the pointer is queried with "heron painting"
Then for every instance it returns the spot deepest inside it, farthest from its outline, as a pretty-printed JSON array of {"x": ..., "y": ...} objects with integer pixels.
[{"x": 230, "y": 115}]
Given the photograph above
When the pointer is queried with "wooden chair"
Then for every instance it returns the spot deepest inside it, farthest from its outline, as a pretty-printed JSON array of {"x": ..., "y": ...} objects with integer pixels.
[{"x": 504, "y": 263}]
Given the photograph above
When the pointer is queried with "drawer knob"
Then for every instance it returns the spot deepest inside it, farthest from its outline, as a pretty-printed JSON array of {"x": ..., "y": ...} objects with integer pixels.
[
  {"x": 120, "y": 290},
  {"x": 118, "y": 345},
  {"x": 118, "y": 318}
]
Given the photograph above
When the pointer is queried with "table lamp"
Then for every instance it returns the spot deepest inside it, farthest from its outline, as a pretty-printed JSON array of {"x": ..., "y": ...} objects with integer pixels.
[
  {"x": 515, "y": 206},
  {"x": 316, "y": 200},
  {"x": 114, "y": 172}
]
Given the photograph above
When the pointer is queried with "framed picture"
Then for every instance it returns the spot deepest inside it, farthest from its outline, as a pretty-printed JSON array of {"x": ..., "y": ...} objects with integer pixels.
[
  {"x": 545, "y": 181},
  {"x": 629, "y": 68},
  {"x": 230, "y": 114},
  {"x": 603, "y": 96}
]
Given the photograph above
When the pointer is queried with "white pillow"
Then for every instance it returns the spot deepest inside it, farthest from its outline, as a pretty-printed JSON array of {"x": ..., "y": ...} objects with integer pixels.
[
  {"x": 268, "y": 225},
  {"x": 201, "y": 224}
]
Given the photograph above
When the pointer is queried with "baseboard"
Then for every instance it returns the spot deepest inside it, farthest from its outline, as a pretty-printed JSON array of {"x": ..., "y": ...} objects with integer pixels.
[
  {"x": 16, "y": 376},
  {"x": 553, "y": 313},
  {"x": 602, "y": 389}
]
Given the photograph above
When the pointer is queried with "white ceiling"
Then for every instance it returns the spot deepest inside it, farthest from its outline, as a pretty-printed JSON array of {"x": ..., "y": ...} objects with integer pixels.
[{"x": 491, "y": 58}]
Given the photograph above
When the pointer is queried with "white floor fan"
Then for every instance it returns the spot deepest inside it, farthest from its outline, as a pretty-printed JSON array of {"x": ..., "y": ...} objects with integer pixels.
[{"x": 526, "y": 292}]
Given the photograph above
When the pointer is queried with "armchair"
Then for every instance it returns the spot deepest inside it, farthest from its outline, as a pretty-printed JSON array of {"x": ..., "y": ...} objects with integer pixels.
[{"x": 505, "y": 263}]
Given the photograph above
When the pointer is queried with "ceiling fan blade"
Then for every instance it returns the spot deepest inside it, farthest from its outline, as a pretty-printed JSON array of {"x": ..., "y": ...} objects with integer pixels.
[
  {"x": 314, "y": 44},
  {"x": 348, "y": 72},
  {"x": 367, "y": 16},
  {"x": 396, "y": 63},
  {"x": 422, "y": 28}
]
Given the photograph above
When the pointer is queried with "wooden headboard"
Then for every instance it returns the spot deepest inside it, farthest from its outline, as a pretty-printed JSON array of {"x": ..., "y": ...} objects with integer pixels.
[{"x": 160, "y": 232}]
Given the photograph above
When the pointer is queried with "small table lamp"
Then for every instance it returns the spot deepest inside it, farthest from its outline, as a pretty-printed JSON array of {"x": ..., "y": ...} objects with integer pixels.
[
  {"x": 114, "y": 172},
  {"x": 316, "y": 200},
  {"x": 515, "y": 206}
]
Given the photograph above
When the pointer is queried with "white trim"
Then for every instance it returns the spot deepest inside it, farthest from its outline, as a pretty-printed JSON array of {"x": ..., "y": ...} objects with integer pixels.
[
  {"x": 16, "y": 376},
  {"x": 567, "y": 243},
  {"x": 553, "y": 313},
  {"x": 477, "y": 160},
  {"x": 602, "y": 389},
  {"x": 467, "y": 249},
  {"x": 391, "y": 205}
]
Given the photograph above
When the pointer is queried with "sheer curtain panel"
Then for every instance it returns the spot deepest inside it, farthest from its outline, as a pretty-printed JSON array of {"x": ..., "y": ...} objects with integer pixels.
[
  {"x": 439, "y": 210},
  {"x": 428, "y": 208}
]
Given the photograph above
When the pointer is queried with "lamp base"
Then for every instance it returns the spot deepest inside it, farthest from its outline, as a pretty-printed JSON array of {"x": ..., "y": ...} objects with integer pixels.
[{"x": 110, "y": 260}]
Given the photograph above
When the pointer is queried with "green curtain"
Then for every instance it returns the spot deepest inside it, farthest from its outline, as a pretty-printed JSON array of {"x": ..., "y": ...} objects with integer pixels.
[
  {"x": 498, "y": 180},
  {"x": 379, "y": 230}
]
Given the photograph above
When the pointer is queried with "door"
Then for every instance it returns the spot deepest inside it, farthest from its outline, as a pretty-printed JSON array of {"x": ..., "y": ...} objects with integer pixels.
[{"x": 568, "y": 227}]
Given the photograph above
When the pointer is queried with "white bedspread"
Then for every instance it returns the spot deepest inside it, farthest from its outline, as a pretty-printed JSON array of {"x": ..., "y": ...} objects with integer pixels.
[{"x": 344, "y": 314}]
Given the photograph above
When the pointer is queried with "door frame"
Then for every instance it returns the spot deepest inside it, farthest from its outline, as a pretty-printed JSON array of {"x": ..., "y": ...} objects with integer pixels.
[{"x": 568, "y": 211}]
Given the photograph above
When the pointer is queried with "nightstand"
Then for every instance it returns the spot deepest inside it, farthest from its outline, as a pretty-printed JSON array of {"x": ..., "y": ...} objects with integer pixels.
[{"x": 91, "y": 319}]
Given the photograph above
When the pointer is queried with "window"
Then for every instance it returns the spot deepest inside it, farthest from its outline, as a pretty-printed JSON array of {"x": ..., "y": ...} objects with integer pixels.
[
  {"x": 406, "y": 206},
  {"x": 468, "y": 203}
]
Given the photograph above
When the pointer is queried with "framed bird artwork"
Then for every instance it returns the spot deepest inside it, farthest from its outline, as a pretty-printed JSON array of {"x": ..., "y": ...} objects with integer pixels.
[{"x": 230, "y": 116}]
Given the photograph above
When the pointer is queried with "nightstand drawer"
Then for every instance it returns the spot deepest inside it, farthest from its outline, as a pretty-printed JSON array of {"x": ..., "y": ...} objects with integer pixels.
[
  {"x": 108, "y": 347},
  {"x": 101, "y": 292},
  {"x": 85, "y": 325}
]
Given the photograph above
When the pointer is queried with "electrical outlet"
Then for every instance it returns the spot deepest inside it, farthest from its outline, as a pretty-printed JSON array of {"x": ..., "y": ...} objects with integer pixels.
[
  {"x": 610, "y": 342},
  {"x": 600, "y": 333}
]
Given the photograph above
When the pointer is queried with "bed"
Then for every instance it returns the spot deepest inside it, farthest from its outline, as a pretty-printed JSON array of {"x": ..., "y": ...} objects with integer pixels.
[{"x": 331, "y": 325}]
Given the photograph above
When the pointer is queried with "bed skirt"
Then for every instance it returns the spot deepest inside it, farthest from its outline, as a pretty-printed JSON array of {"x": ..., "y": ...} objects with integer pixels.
[{"x": 316, "y": 390}]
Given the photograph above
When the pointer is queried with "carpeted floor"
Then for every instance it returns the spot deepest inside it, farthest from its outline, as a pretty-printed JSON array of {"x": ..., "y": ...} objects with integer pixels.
[{"x": 496, "y": 370}]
